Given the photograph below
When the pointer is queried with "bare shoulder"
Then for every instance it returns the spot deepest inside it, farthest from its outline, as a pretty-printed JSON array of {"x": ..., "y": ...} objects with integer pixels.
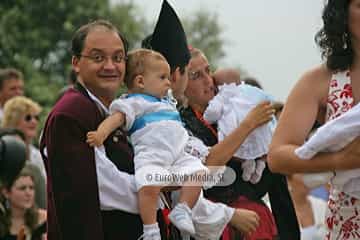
[
  {"x": 318, "y": 76},
  {"x": 319, "y": 71},
  {"x": 314, "y": 83},
  {"x": 42, "y": 215},
  {"x": 303, "y": 106}
]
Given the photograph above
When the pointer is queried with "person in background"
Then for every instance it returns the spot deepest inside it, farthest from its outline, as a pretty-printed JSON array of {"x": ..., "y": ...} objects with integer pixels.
[
  {"x": 22, "y": 113},
  {"x": 232, "y": 75},
  {"x": 12, "y": 161},
  {"x": 226, "y": 75},
  {"x": 13, "y": 154},
  {"x": 241, "y": 194},
  {"x": 11, "y": 85},
  {"x": 21, "y": 217},
  {"x": 310, "y": 210}
]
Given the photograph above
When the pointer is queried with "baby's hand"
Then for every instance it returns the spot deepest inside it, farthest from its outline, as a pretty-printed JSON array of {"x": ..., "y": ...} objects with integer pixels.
[{"x": 94, "y": 138}]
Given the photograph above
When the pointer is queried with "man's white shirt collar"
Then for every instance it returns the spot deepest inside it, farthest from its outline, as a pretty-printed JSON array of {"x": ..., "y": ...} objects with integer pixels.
[{"x": 94, "y": 98}]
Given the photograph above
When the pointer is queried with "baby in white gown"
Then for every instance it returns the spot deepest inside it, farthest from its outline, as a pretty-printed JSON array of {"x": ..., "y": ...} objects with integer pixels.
[
  {"x": 228, "y": 108},
  {"x": 332, "y": 137}
]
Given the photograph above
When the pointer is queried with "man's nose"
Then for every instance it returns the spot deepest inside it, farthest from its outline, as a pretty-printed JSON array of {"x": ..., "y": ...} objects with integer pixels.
[{"x": 109, "y": 64}]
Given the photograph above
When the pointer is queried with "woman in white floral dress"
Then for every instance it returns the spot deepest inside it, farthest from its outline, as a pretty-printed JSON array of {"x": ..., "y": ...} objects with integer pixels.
[{"x": 324, "y": 93}]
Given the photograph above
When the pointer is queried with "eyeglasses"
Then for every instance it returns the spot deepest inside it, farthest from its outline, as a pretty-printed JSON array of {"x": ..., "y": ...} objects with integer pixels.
[
  {"x": 101, "y": 58},
  {"x": 194, "y": 75},
  {"x": 29, "y": 117}
]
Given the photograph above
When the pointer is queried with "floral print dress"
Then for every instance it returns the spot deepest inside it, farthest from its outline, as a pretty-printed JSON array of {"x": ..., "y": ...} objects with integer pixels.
[{"x": 342, "y": 218}]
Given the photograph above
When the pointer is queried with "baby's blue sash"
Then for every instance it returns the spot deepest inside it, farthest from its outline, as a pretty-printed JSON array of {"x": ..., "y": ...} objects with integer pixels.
[{"x": 153, "y": 116}]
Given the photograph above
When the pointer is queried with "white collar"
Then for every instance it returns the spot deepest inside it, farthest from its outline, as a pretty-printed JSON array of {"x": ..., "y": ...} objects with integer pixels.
[{"x": 94, "y": 98}]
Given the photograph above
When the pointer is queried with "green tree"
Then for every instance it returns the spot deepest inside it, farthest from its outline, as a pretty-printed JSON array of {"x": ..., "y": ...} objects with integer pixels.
[
  {"x": 36, "y": 36},
  {"x": 39, "y": 32},
  {"x": 128, "y": 17},
  {"x": 204, "y": 31}
]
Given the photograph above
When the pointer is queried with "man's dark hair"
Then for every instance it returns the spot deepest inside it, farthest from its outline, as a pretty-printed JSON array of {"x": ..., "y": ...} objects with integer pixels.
[
  {"x": 334, "y": 38},
  {"x": 181, "y": 70},
  {"x": 9, "y": 73},
  {"x": 78, "y": 40}
]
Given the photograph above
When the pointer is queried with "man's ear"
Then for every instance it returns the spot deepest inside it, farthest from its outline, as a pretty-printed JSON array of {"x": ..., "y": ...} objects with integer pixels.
[
  {"x": 75, "y": 63},
  {"x": 139, "y": 81},
  {"x": 175, "y": 75}
]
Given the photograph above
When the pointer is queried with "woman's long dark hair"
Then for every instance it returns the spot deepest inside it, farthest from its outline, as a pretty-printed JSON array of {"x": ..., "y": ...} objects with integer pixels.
[
  {"x": 31, "y": 214},
  {"x": 334, "y": 39}
]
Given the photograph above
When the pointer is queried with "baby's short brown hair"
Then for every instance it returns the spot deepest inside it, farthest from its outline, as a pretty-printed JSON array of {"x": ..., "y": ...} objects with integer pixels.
[{"x": 138, "y": 62}]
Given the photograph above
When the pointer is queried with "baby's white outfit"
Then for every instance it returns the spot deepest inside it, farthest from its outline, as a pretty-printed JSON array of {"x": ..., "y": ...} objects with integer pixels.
[
  {"x": 228, "y": 108},
  {"x": 158, "y": 138},
  {"x": 209, "y": 218},
  {"x": 332, "y": 137}
]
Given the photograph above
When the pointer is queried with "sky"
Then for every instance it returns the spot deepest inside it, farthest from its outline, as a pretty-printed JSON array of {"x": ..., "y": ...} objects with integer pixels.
[{"x": 273, "y": 40}]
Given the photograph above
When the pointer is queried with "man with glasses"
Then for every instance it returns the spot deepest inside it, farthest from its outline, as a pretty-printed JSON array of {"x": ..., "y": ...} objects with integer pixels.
[{"x": 89, "y": 198}]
